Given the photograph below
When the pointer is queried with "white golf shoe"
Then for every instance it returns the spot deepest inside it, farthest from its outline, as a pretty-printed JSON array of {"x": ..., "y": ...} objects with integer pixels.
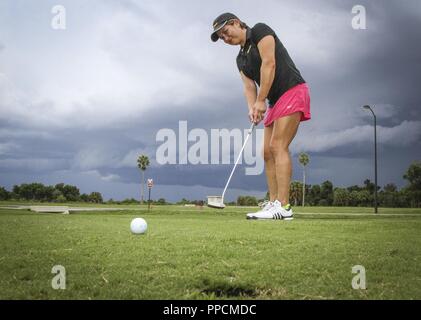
[
  {"x": 266, "y": 206},
  {"x": 287, "y": 213},
  {"x": 273, "y": 210}
]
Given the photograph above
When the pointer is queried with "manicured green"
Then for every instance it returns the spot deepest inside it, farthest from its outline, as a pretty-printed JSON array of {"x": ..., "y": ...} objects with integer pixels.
[{"x": 193, "y": 253}]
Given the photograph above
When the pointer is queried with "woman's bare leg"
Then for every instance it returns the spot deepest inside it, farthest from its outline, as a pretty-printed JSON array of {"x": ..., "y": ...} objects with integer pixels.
[
  {"x": 270, "y": 169},
  {"x": 284, "y": 131}
]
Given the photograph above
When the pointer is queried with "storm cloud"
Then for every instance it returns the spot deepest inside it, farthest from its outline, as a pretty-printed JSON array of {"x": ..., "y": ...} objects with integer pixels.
[{"x": 79, "y": 105}]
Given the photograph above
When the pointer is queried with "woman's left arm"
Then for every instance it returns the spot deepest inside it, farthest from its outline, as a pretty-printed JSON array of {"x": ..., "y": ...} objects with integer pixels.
[{"x": 266, "y": 48}]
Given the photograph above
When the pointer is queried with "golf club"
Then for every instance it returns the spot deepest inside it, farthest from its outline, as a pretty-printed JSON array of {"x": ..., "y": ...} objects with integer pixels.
[{"x": 217, "y": 202}]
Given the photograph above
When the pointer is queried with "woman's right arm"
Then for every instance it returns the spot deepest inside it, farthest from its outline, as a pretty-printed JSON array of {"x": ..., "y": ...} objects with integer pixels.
[{"x": 250, "y": 92}]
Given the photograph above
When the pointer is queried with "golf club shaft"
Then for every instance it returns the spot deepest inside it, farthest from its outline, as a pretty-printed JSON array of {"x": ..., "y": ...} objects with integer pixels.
[{"x": 238, "y": 158}]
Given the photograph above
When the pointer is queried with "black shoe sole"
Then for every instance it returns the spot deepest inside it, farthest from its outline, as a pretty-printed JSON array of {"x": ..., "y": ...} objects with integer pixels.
[
  {"x": 255, "y": 218},
  {"x": 251, "y": 218}
]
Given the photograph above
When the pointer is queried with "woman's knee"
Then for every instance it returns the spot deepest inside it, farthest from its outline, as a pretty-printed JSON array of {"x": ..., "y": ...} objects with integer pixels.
[
  {"x": 267, "y": 154},
  {"x": 277, "y": 148}
]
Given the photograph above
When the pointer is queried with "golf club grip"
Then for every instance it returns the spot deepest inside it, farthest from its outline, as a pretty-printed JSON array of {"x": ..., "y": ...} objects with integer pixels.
[{"x": 238, "y": 158}]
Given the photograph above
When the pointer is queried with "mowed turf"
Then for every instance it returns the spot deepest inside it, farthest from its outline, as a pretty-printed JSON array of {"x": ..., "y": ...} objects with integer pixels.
[{"x": 191, "y": 253}]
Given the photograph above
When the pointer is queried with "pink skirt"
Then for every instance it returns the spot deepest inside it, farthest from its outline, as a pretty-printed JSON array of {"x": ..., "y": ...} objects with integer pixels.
[{"x": 296, "y": 99}]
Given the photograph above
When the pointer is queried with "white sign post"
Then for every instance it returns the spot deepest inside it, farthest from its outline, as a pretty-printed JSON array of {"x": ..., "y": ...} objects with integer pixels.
[{"x": 150, "y": 185}]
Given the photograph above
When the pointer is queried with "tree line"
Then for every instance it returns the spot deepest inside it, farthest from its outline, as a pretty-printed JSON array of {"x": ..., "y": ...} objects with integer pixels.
[
  {"x": 39, "y": 192},
  {"x": 326, "y": 194},
  {"x": 355, "y": 196},
  {"x": 60, "y": 193}
]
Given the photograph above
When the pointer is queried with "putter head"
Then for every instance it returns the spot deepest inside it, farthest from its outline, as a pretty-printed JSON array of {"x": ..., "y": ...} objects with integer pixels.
[{"x": 216, "y": 202}]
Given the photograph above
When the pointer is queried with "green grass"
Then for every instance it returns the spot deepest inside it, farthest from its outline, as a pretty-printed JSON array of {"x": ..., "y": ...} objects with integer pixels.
[{"x": 191, "y": 253}]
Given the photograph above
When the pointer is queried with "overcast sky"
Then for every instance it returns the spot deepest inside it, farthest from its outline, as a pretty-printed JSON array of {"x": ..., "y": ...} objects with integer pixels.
[{"x": 78, "y": 105}]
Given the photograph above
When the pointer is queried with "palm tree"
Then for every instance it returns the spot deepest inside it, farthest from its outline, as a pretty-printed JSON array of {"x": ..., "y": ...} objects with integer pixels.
[
  {"x": 295, "y": 191},
  {"x": 142, "y": 164},
  {"x": 304, "y": 159}
]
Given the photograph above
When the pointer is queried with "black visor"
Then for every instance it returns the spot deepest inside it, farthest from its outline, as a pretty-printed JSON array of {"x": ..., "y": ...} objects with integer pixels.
[{"x": 220, "y": 22}]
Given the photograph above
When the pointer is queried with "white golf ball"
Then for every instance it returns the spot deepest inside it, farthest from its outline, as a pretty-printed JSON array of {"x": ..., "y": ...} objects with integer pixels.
[{"x": 138, "y": 226}]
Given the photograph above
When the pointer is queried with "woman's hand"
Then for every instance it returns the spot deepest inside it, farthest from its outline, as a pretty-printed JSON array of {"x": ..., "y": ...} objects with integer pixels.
[
  {"x": 251, "y": 114},
  {"x": 257, "y": 113}
]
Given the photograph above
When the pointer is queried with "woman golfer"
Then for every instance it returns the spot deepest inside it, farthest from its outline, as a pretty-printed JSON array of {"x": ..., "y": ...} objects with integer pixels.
[{"x": 264, "y": 61}]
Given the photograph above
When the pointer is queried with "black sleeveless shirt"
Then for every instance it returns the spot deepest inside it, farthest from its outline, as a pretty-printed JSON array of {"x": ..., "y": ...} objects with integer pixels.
[{"x": 249, "y": 61}]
